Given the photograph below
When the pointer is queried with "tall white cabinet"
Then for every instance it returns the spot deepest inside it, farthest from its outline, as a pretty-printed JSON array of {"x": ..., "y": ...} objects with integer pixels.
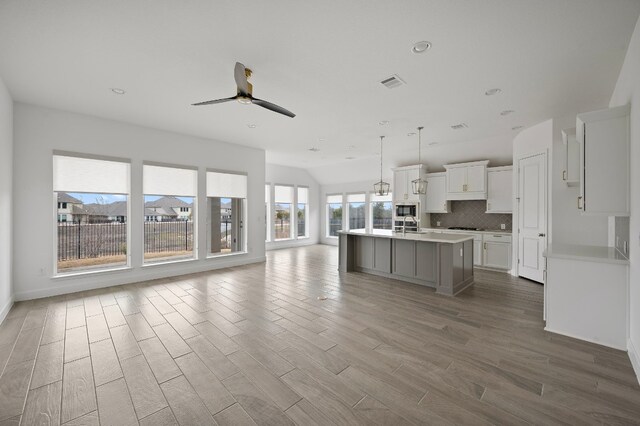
[
  {"x": 500, "y": 189},
  {"x": 402, "y": 190},
  {"x": 603, "y": 139},
  {"x": 437, "y": 194}
]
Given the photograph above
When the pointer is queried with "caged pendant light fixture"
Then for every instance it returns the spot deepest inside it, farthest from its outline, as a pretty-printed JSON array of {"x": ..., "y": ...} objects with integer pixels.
[
  {"x": 381, "y": 188},
  {"x": 419, "y": 186}
]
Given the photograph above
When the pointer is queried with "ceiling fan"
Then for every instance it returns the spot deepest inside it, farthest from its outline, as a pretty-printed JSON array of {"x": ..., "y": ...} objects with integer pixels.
[{"x": 245, "y": 96}]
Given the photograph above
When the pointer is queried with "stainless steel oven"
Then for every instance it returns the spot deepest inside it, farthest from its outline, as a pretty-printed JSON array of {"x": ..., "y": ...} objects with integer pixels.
[{"x": 406, "y": 209}]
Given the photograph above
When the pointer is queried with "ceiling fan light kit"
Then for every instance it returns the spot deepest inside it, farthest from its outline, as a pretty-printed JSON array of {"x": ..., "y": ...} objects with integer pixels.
[
  {"x": 245, "y": 93},
  {"x": 419, "y": 186},
  {"x": 381, "y": 188}
]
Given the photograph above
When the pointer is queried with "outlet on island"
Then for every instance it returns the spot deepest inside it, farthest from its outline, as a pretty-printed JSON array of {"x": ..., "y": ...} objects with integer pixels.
[
  {"x": 503, "y": 226},
  {"x": 438, "y": 223}
]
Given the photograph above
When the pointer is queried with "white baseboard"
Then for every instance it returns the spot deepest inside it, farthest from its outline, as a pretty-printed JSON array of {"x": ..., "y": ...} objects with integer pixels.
[
  {"x": 634, "y": 356},
  {"x": 277, "y": 245},
  {"x": 118, "y": 279},
  {"x": 5, "y": 309},
  {"x": 609, "y": 345}
]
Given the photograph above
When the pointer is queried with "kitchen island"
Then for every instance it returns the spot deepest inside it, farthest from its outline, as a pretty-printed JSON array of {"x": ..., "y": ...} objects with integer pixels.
[{"x": 440, "y": 260}]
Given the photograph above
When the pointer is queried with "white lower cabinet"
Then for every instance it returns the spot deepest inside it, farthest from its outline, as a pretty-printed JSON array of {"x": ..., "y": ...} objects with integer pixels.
[{"x": 496, "y": 251}]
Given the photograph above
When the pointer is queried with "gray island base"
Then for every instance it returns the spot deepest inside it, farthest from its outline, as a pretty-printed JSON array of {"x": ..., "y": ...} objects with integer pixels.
[{"x": 439, "y": 260}]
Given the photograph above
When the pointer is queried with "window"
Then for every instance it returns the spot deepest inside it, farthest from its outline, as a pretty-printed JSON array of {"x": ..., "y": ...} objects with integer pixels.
[
  {"x": 356, "y": 212},
  {"x": 267, "y": 211},
  {"x": 334, "y": 215},
  {"x": 381, "y": 211},
  {"x": 169, "y": 197},
  {"x": 88, "y": 237},
  {"x": 302, "y": 213},
  {"x": 226, "y": 198},
  {"x": 283, "y": 210}
]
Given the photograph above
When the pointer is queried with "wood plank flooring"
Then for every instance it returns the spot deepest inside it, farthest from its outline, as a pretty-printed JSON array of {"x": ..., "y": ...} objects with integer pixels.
[{"x": 257, "y": 345}]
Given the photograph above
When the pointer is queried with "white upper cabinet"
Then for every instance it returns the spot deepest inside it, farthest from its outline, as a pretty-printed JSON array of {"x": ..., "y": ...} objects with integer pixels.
[
  {"x": 402, "y": 188},
  {"x": 571, "y": 170},
  {"x": 437, "y": 194},
  {"x": 603, "y": 138},
  {"x": 467, "y": 181},
  {"x": 500, "y": 189}
]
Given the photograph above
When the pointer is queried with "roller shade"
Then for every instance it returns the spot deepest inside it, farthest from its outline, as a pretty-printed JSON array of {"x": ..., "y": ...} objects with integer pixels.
[
  {"x": 375, "y": 198},
  {"x": 75, "y": 174},
  {"x": 334, "y": 199},
  {"x": 226, "y": 185},
  {"x": 356, "y": 198},
  {"x": 267, "y": 193},
  {"x": 303, "y": 195},
  {"x": 161, "y": 180},
  {"x": 284, "y": 194}
]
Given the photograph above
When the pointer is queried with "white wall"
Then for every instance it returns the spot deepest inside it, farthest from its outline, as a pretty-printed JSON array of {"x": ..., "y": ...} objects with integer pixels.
[
  {"x": 627, "y": 90},
  {"x": 38, "y": 131},
  {"x": 283, "y": 175},
  {"x": 6, "y": 176}
]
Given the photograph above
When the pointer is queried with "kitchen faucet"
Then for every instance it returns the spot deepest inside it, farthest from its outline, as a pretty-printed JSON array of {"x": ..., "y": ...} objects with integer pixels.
[{"x": 404, "y": 222}]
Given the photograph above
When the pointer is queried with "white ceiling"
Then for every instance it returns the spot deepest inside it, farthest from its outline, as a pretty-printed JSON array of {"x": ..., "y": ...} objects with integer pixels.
[{"x": 322, "y": 60}]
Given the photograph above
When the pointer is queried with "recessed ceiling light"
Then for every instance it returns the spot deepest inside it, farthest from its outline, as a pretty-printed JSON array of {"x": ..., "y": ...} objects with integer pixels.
[
  {"x": 351, "y": 147},
  {"x": 314, "y": 149},
  {"x": 118, "y": 91},
  {"x": 349, "y": 158},
  {"x": 411, "y": 134},
  {"x": 421, "y": 47},
  {"x": 507, "y": 112},
  {"x": 433, "y": 143},
  {"x": 516, "y": 128},
  {"x": 492, "y": 92},
  {"x": 383, "y": 123},
  {"x": 251, "y": 126},
  {"x": 321, "y": 140}
]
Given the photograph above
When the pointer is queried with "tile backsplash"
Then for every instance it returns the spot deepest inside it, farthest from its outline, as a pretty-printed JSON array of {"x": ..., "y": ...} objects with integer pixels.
[{"x": 471, "y": 213}]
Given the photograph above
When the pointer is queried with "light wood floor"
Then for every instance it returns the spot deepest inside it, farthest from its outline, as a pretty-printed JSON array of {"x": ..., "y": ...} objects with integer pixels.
[{"x": 256, "y": 345}]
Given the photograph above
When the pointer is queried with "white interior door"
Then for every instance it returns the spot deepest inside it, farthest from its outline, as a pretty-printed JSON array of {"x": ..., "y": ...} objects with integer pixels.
[{"x": 532, "y": 216}]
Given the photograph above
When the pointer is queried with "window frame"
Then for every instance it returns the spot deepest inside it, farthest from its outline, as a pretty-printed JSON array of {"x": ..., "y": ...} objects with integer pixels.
[
  {"x": 327, "y": 225},
  {"x": 97, "y": 270},
  {"x": 268, "y": 213},
  {"x": 243, "y": 218},
  {"x": 306, "y": 212},
  {"x": 370, "y": 209},
  {"x": 194, "y": 214},
  {"x": 348, "y": 203},
  {"x": 292, "y": 210}
]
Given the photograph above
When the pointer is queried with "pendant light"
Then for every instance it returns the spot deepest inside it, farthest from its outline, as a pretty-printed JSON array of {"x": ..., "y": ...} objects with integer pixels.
[
  {"x": 381, "y": 188},
  {"x": 419, "y": 186}
]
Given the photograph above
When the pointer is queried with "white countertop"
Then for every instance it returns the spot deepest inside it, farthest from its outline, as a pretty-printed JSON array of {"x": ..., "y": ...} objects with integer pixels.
[
  {"x": 461, "y": 231},
  {"x": 433, "y": 237},
  {"x": 586, "y": 253}
]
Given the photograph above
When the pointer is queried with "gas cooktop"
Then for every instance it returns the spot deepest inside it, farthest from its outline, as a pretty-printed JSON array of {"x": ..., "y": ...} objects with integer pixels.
[{"x": 464, "y": 228}]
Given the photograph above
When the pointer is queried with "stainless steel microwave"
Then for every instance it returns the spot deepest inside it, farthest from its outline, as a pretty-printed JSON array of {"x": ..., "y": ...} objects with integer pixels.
[{"x": 406, "y": 209}]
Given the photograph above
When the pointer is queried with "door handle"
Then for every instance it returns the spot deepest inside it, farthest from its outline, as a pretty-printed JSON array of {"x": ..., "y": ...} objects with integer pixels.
[
  {"x": 541, "y": 235},
  {"x": 485, "y": 246},
  {"x": 580, "y": 204},
  {"x": 564, "y": 175},
  {"x": 444, "y": 206}
]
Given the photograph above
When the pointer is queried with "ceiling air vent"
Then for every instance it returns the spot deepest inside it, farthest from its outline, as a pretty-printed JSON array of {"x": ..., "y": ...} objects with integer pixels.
[
  {"x": 392, "y": 82},
  {"x": 459, "y": 126}
]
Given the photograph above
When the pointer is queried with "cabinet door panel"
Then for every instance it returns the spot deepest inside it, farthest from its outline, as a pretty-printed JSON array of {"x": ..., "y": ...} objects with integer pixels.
[
  {"x": 497, "y": 255},
  {"x": 404, "y": 258},
  {"x": 436, "y": 194},
  {"x": 382, "y": 254},
  {"x": 477, "y": 252},
  {"x": 499, "y": 197},
  {"x": 426, "y": 261},
  {"x": 458, "y": 262},
  {"x": 364, "y": 252},
  {"x": 468, "y": 259},
  {"x": 456, "y": 179},
  {"x": 399, "y": 185},
  {"x": 476, "y": 179}
]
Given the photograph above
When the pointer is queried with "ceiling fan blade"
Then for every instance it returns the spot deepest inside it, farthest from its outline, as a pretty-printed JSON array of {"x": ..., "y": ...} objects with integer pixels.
[
  {"x": 241, "y": 78},
  {"x": 273, "y": 107},
  {"x": 217, "y": 101}
]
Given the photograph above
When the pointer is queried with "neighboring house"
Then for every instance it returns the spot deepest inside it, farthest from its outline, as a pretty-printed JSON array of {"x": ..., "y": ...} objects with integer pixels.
[
  {"x": 112, "y": 212},
  {"x": 69, "y": 206},
  {"x": 168, "y": 208}
]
